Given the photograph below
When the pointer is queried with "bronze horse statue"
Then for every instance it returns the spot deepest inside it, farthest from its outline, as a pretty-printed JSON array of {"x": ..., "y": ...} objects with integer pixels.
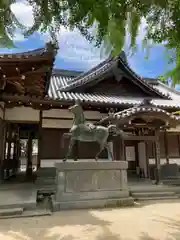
[{"x": 88, "y": 132}]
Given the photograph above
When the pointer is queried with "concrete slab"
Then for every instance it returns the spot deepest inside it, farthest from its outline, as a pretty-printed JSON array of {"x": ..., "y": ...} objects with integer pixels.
[{"x": 18, "y": 198}]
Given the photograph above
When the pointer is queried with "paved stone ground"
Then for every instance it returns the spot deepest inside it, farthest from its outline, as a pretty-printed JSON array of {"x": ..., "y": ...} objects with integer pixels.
[{"x": 150, "y": 222}]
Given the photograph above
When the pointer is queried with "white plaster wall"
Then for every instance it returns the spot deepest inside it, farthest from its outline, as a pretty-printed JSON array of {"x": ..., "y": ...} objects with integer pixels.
[
  {"x": 22, "y": 114},
  {"x": 163, "y": 160},
  {"x": 64, "y": 113},
  {"x": 57, "y": 123},
  {"x": 177, "y": 129}
]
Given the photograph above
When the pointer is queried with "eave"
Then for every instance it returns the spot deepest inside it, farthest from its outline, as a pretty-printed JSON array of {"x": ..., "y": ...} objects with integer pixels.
[{"x": 90, "y": 101}]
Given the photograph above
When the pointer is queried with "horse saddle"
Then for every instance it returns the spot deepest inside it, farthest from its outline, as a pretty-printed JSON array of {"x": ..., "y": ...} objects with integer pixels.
[{"x": 85, "y": 127}]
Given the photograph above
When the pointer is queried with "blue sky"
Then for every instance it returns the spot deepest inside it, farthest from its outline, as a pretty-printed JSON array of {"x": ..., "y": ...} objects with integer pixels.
[{"x": 75, "y": 53}]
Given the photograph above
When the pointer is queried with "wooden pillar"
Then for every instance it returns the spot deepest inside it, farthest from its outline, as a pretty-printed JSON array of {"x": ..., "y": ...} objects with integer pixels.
[
  {"x": 157, "y": 157},
  {"x": 122, "y": 150},
  {"x": 147, "y": 160},
  {"x": 2, "y": 147},
  {"x": 8, "y": 160},
  {"x": 166, "y": 146},
  {"x": 29, "y": 156},
  {"x": 39, "y": 141},
  {"x": 15, "y": 160},
  {"x": 4, "y": 150},
  {"x": 116, "y": 148}
]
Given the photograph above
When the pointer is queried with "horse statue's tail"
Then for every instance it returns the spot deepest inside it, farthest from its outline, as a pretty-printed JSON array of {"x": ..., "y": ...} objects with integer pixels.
[
  {"x": 65, "y": 135},
  {"x": 114, "y": 130}
]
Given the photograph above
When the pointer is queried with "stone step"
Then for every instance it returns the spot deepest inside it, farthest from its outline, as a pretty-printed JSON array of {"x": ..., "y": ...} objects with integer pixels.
[
  {"x": 178, "y": 195},
  {"x": 153, "y": 188},
  {"x": 28, "y": 213},
  {"x": 93, "y": 203},
  {"x": 46, "y": 177},
  {"x": 23, "y": 198},
  {"x": 45, "y": 180},
  {"x": 175, "y": 182},
  {"x": 46, "y": 190},
  {"x": 46, "y": 171},
  {"x": 11, "y": 212},
  {"x": 156, "y": 198},
  {"x": 151, "y": 194}
]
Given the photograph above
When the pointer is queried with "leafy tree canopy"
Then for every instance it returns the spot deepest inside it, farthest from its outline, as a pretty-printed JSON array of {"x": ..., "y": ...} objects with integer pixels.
[{"x": 112, "y": 18}]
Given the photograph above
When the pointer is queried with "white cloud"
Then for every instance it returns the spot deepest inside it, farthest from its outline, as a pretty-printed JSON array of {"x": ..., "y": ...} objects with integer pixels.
[
  {"x": 23, "y": 12},
  {"x": 18, "y": 37},
  {"x": 73, "y": 47},
  {"x": 142, "y": 30}
]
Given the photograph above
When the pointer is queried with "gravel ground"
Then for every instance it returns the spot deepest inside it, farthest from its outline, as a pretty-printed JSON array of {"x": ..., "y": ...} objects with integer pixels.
[{"x": 160, "y": 221}]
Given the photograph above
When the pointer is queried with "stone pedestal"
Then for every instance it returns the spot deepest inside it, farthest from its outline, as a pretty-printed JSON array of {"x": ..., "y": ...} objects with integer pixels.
[{"x": 92, "y": 184}]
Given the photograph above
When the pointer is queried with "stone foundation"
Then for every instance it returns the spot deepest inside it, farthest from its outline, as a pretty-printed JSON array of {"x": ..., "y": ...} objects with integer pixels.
[{"x": 93, "y": 184}]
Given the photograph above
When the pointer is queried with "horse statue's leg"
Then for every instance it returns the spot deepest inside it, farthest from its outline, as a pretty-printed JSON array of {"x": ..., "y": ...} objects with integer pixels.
[
  {"x": 109, "y": 152},
  {"x": 102, "y": 147},
  {"x": 71, "y": 144},
  {"x": 75, "y": 150}
]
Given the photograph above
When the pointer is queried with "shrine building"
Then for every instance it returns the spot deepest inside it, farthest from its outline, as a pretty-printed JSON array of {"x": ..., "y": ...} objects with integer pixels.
[{"x": 34, "y": 102}]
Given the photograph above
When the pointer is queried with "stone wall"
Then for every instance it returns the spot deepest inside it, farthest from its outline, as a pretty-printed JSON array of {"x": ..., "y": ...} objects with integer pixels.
[{"x": 85, "y": 184}]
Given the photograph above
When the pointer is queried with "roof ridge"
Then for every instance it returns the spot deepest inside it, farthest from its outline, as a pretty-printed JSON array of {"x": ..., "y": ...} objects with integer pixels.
[
  {"x": 94, "y": 71},
  {"x": 140, "y": 79},
  {"x": 95, "y": 68},
  {"x": 169, "y": 88}
]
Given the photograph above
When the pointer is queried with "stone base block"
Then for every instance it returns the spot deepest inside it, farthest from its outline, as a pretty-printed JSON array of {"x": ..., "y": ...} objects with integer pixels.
[
  {"x": 91, "y": 185},
  {"x": 90, "y": 204}
]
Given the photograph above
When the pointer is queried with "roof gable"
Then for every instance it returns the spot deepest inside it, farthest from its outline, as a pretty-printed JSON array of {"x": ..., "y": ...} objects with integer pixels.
[{"x": 111, "y": 66}]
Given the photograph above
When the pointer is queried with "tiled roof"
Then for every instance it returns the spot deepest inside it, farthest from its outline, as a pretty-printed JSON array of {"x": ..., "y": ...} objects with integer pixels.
[
  {"x": 139, "y": 109},
  {"x": 97, "y": 72},
  {"x": 62, "y": 78},
  {"x": 93, "y": 74},
  {"x": 130, "y": 112}
]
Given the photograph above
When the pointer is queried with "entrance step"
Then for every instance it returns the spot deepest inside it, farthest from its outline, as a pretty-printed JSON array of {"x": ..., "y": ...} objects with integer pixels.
[
  {"x": 171, "y": 182},
  {"x": 151, "y": 194},
  {"x": 11, "y": 212},
  {"x": 19, "y": 213},
  {"x": 144, "y": 196},
  {"x": 43, "y": 208},
  {"x": 160, "y": 198},
  {"x": 18, "y": 198}
]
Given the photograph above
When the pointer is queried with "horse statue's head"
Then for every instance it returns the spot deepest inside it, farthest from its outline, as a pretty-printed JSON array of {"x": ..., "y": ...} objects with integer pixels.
[{"x": 75, "y": 108}]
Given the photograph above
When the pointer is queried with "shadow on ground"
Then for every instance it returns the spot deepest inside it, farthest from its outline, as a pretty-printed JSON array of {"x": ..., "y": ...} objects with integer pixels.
[{"x": 84, "y": 225}]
